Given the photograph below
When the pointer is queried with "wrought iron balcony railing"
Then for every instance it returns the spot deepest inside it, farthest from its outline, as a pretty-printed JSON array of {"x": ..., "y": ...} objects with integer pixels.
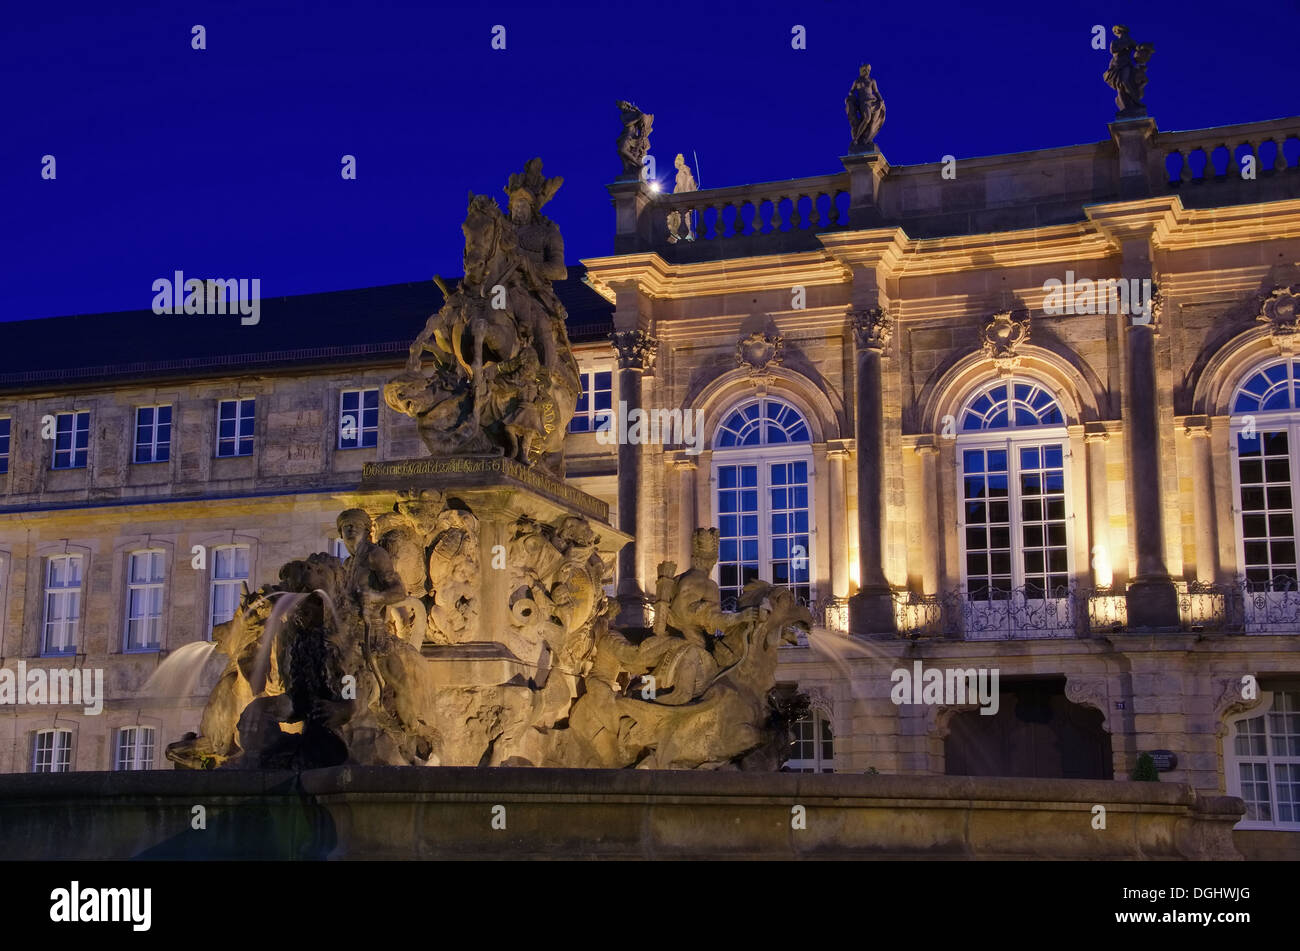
[{"x": 1025, "y": 613}]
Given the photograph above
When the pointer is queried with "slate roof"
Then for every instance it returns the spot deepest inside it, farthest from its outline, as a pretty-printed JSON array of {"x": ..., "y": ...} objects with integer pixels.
[{"x": 337, "y": 327}]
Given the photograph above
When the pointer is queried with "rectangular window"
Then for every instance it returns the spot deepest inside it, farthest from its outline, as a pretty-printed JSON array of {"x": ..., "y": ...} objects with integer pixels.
[
  {"x": 153, "y": 433},
  {"x": 52, "y": 751},
  {"x": 358, "y": 419},
  {"x": 737, "y": 530},
  {"x": 339, "y": 549},
  {"x": 135, "y": 746},
  {"x": 229, "y": 571},
  {"x": 1015, "y": 539},
  {"x": 595, "y": 407},
  {"x": 1267, "y": 750},
  {"x": 144, "y": 596},
  {"x": 787, "y": 513},
  {"x": 5, "y": 425},
  {"x": 813, "y": 749},
  {"x": 71, "y": 440},
  {"x": 1267, "y": 518},
  {"x": 62, "y": 604},
  {"x": 235, "y": 427}
]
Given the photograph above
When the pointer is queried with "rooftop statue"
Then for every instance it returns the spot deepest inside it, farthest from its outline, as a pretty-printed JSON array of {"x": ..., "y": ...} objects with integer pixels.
[
  {"x": 681, "y": 227},
  {"x": 493, "y": 370},
  {"x": 634, "y": 140},
  {"x": 1127, "y": 73},
  {"x": 866, "y": 111}
]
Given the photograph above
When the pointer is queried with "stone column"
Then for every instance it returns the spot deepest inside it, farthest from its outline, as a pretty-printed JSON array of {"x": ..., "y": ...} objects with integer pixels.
[
  {"x": 687, "y": 520},
  {"x": 1103, "y": 559},
  {"x": 871, "y": 610},
  {"x": 1152, "y": 599},
  {"x": 636, "y": 351},
  {"x": 929, "y": 454},
  {"x": 837, "y": 454},
  {"x": 1205, "y": 527}
]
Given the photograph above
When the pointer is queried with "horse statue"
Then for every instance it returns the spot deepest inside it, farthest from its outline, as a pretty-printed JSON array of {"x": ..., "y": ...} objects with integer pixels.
[{"x": 492, "y": 370}]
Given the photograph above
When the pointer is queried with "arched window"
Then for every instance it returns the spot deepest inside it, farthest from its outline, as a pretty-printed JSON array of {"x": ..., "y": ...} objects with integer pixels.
[
  {"x": 1015, "y": 525},
  {"x": 1267, "y": 427},
  {"x": 762, "y": 471},
  {"x": 1262, "y": 762}
]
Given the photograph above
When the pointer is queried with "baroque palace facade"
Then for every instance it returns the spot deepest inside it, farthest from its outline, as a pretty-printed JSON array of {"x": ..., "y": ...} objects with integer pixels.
[{"x": 911, "y": 404}]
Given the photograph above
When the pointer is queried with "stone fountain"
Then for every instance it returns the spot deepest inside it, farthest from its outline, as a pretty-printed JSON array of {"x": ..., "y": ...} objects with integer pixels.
[{"x": 469, "y": 624}]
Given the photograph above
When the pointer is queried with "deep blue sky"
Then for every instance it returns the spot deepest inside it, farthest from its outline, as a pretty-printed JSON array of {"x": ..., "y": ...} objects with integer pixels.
[{"x": 225, "y": 162}]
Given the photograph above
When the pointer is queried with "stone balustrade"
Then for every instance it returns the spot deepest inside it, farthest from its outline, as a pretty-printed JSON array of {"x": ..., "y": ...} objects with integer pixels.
[
  {"x": 1205, "y": 156},
  {"x": 769, "y": 209}
]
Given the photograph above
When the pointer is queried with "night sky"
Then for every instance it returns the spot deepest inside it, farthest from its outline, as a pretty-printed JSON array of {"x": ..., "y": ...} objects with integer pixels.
[{"x": 226, "y": 162}]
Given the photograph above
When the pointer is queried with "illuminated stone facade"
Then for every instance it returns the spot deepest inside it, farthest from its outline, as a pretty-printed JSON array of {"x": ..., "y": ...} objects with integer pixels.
[{"x": 1102, "y": 553}]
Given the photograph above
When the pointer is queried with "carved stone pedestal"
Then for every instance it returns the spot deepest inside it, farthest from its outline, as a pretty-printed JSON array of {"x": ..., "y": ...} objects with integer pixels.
[
  {"x": 871, "y": 612},
  {"x": 1152, "y": 604},
  {"x": 513, "y": 592}
]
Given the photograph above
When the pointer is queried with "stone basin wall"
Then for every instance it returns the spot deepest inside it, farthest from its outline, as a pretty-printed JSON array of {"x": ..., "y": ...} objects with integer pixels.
[{"x": 450, "y": 813}]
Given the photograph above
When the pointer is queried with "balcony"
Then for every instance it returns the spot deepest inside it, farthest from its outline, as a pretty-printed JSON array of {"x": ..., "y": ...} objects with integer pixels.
[{"x": 1020, "y": 614}]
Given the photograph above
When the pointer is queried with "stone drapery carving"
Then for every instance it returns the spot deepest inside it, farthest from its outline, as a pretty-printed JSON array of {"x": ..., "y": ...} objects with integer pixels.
[
  {"x": 634, "y": 140},
  {"x": 866, "y": 111},
  {"x": 493, "y": 371},
  {"x": 1127, "y": 73}
]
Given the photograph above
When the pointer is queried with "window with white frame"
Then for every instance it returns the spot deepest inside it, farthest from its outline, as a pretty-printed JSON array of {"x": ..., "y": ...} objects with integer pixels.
[
  {"x": 5, "y": 427},
  {"x": 813, "y": 749},
  {"x": 62, "y": 604},
  {"x": 1262, "y": 762},
  {"x": 144, "y": 600},
  {"x": 229, "y": 572},
  {"x": 1266, "y": 425},
  {"x": 595, "y": 409},
  {"x": 358, "y": 419},
  {"x": 1015, "y": 525},
  {"x": 235, "y": 427},
  {"x": 135, "y": 748},
  {"x": 52, "y": 751},
  {"x": 153, "y": 433},
  {"x": 71, "y": 440},
  {"x": 762, "y": 473}
]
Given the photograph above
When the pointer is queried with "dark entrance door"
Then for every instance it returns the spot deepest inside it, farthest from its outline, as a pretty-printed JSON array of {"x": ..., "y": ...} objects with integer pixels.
[{"x": 1036, "y": 732}]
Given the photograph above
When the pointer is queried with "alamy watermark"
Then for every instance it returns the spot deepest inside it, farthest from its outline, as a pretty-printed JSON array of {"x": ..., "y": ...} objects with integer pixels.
[
  {"x": 645, "y": 426},
  {"x": 63, "y": 686},
  {"x": 949, "y": 686},
  {"x": 209, "y": 297},
  {"x": 1102, "y": 296}
]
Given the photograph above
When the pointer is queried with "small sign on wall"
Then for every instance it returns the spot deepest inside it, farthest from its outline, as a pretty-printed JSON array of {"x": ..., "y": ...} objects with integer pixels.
[{"x": 1165, "y": 760}]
